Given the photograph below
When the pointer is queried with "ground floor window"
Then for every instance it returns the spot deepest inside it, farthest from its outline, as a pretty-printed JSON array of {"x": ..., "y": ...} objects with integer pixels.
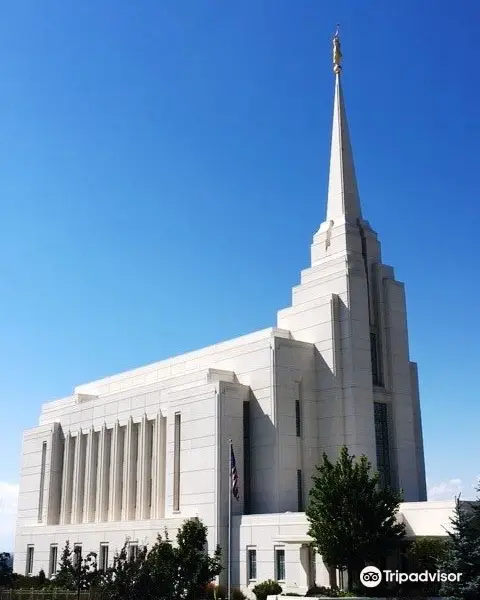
[
  {"x": 252, "y": 564},
  {"x": 77, "y": 555},
  {"x": 29, "y": 562},
  {"x": 103, "y": 563},
  {"x": 52, "y": 567},
  {"x": 132, "y": 551},
  {"x": 280, "y": 564}
]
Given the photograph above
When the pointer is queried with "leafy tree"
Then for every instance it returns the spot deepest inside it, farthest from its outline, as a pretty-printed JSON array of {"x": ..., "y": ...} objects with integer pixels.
[
  {"x": 6, "y": 571},
  {"x": 352, "y": 519},
  {"x": 425, "y": 554},
  {"x": 166, "y": 572},
  {"x": 70, "y": 576},
  {"x": 195, "y": 567},
  {"x": 65, "y": 577},
  {"x": 464, "y": 555},
  {"x": 126, "y": 578}
]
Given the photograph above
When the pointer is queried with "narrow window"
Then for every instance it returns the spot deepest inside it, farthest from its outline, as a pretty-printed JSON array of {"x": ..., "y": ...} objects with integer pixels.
[
  {"x": 297, "y": 418},
  {"x": 176, "y": 464},
  {"x": 132, "y": 551},
  {"x": 103, "y": 564},
  {"x": 299, "y": 491},
  {"x": 29, "y": 562},
  {"x": 42, "y": 482},
  {"x": 376, "y": 377},
  {"x": 246, "y": 457},
  {"x": 252, "y": 565},
  {"x": 280, "y": 564},
  {"x": 52, "y": 567},
  {"x": 77, "y": 556},
  {"x": 382, "y": 443}
]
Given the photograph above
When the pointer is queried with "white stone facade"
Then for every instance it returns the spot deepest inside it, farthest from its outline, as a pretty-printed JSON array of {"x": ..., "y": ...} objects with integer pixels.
[{"x": 131, "y": 454}]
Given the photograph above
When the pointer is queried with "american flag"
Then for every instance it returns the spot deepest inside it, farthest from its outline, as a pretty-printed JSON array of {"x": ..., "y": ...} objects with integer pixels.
[{"x": 234, "y": 475}]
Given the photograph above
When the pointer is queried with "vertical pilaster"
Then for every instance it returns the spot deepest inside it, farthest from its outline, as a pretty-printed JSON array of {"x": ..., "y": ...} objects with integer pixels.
[
  {"x": 116, "y": 475},
  {"x": 142, "y": 470},
  {"x": 127, "y": 465},
  {"x": 103, "y": 475},
  {"x": 76, "y": 477},
  {"x": 89, "y": 506},
  {"x": 56, "y": 469},
  {"x": 158, "y": 468},
  {"x": 66, "y": 501}
]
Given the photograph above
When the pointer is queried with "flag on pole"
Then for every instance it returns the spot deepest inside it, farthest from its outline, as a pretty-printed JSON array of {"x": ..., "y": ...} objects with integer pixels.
[{"x": 234, "y": 475}]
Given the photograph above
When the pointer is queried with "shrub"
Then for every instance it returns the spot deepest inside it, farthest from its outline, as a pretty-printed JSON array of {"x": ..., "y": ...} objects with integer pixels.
[
  {"x": 320, "y": 590},
  {"x": 238, "y": 595},
  {"x": 267, "y": 588}
]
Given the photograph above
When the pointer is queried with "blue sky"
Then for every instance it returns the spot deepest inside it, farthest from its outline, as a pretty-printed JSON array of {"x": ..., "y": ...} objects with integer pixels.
[{"x": 163, "y": 166}]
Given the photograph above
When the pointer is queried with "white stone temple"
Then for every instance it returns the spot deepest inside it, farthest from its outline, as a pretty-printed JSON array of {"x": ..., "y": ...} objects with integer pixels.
[{"x": 138, "y": 452}]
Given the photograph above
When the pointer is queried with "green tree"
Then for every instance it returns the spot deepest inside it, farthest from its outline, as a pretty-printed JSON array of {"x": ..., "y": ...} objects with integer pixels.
[
  {"x": 464, "y": 555},
  {"x": 195, "y": 567},
  {"x": 71, "y": 575},
  {"x": 167, "y": 571},
  {"x": 353, "y": 521},
  {"x": 6, "y": 571},
  {"x": 65, "y": 577},
  {"x": 425, "y": 554}
]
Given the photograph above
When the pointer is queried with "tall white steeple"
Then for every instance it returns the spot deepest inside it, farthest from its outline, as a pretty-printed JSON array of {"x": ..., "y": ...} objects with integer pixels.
[
  {"x": 350, "y": 307},
  {"x": 343, "y": 199}
]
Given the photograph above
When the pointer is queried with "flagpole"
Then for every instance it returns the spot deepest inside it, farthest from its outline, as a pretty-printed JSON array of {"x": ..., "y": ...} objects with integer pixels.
[{"x": 230, "y": 492}]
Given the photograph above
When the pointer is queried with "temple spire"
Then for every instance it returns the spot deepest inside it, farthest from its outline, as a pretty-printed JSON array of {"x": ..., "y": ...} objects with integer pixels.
[{"x": 343, "y": 203}]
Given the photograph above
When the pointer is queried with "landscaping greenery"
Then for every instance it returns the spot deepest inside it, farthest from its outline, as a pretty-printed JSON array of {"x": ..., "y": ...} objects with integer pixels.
[
  {"x": 166, "y": 571},
  {"x": 464, "y": 552},
  {"x": 353, "y": 521}
]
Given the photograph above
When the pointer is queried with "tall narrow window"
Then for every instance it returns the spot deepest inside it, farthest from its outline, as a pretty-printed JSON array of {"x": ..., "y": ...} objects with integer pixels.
[
  {"x": 103, "y": 563},
  {"x": 280, "y": 564},
  {"x": 132, "y": 551},
  {"x": 298, "y": 427},
  {"x": 42, "y": 482},
  {"x": 246, "y": 457},
  {"x": 29, "y": 561},
  {"x": 176, "y": 463},
  {"x": 376, "y": 375},
  {"x": 382, "y": 443},
  {"x": 299, "y": 491},
  {"x": 251, "y": 565},
  {"x": 52, "y": 567},
  {"x": 77, "y": 555}
]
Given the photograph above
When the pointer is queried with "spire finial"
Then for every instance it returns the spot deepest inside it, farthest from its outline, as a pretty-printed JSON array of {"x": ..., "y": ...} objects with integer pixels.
[{"x": 337, "y": 53}]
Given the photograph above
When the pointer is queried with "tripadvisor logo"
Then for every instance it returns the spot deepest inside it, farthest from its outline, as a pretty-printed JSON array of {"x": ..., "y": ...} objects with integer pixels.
[{"x": 371, "y": 577}]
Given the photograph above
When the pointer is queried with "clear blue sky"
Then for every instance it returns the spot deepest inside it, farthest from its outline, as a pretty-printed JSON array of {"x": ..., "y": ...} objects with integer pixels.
[{"x": 163, "y": 167}]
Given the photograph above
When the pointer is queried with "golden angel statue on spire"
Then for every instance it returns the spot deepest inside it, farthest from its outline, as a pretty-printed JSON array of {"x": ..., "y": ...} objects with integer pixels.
[{"x": 337, "y": 53}]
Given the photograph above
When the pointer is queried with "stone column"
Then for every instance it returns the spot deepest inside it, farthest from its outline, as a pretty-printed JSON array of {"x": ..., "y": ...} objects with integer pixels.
[
  {"x": 89, "y": 505},
  {"x": 141, "y": 470},
  {"x": 103, "y": 474},
  {"x": 79, "y": 478},
  {"x": 127, "y": 480},
  {"x": 116, "y": 475},
  {"x": 158, "y": 468},
  {"x": 66, "y": 501}
]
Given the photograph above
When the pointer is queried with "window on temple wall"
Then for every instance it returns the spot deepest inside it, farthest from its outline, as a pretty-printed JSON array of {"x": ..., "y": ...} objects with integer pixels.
[
  {"x": 176, "y": 463},
  {"x": 29, "y": 561},
  {"x": 103, "y": 563},
  {"x": 246, "y": 457},
  {"x": 280, "y": 564},
  {"x": 376, "y": 375},
  {"x": 251, "y": 565},
  {"x": 382, "y": 443},
  {"x": 299, "y": 491},
  {"x": 77, "y": 555},
  {"x": 42, "y": 482},
  {"x": 132, "y": 551},
  {"x": 52, "y": 567}
]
